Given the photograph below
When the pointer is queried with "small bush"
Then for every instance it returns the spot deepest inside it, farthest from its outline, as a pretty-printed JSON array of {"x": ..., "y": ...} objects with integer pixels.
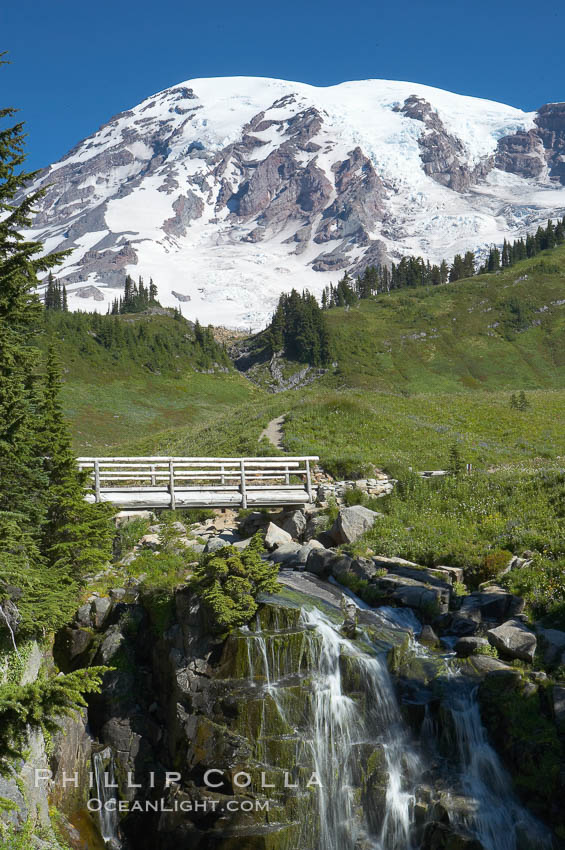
[
  {"x": 487, "y": 649},
  {"x": 228, "y": 582},
  {"x": 128, "y": 535},
  {"x": 492, "y": 566}
]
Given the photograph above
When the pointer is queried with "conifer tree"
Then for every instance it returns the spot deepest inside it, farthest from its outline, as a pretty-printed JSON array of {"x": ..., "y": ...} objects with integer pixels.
[
  {"x": 77, "y": 535},
  {"x": 22, "y": 479}
]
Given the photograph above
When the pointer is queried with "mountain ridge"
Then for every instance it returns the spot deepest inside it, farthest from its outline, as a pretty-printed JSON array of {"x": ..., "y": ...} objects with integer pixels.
[{"x": 231, "y": 190}]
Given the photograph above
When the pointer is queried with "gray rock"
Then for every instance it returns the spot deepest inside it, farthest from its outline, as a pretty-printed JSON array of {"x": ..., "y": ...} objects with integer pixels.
[
  {"x": 128, "y": 559},
  {"x": 110, "y": 646},
  {"x": 72, "y": 643},
  {"x": 482, "y": 665},
  {"x": 514, "y": 640},
  {"x": 83, "y": 615},
  {"x": 491, "y": 604},
  {"x": 352, "y": 523},
  {"x": 214, "y": 544},
  {"x": 100, "y": 610},
  {"x": 339, "y": 565},
  {"x": 242, "y": 544},
  {"x": 325, "y": 492},
  {"x": 295, "y": 524},
  {"x": 286, "y": 553},
  {"x": 275, "y": 536},
  {"x": 427, "y": 600},
  {"x": 466, "y": 646},
  {"x": 428, "y": 637},
  {"x": 319, "y": 562},
  {"x": 305, "y": 550},
  {"x": 552, "y": 642},
  {"x": 150, "y": 541},
  {"x": 314, "y": 525},
  {"x": 363, "y": 568}
]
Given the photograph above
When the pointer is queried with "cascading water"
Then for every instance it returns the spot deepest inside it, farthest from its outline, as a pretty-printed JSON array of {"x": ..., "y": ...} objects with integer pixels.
[
  {"x": 340, "y": 724},
  {"x": 335, "y": 704},
  {"x": 495, "y": 817},
  {"x": 340, "y": 728},
  {"x": 106, "y": 795}
]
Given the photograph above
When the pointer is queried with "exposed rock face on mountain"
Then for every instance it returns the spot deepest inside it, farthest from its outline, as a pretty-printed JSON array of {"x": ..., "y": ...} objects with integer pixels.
[
  {"x": 443, "y": 155},
  {"x": 229, "y": 191},
  {"x": 538, "y": 151}
]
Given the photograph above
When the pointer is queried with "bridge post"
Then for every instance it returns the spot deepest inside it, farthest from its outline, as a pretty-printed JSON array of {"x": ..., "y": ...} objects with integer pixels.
[
  {"x": 308, "y": 481},
  {"x": 97, "y": 480},
  {"x": 243, "y": 487},
  {"x": 153, "y": 479},
  {"x": 172, "y": 483}
]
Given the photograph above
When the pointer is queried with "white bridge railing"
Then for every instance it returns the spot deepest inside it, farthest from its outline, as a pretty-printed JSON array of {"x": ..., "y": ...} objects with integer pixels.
[{"x": 199, "y": 481}]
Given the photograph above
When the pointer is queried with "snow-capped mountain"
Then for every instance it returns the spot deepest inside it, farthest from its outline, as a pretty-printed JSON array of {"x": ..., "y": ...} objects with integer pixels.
[{"x": 228, "y": 191}]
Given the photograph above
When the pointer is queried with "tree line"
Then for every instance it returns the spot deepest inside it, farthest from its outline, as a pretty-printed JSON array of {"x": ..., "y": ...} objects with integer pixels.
[
  {"x": 415, "y": 271},
  {"x": 159, "y": 344}
]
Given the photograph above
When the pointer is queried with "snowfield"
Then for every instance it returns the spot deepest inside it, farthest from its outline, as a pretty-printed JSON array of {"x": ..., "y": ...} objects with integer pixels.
[{"x": 119, "y": 188}]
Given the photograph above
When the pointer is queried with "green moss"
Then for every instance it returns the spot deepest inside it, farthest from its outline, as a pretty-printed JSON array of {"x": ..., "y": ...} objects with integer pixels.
[{"x": 521, "y": 728}]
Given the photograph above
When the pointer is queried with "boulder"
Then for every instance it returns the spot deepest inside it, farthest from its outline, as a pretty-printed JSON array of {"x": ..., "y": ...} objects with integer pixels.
[
  {"x": 100, "y": 610},
  {"x": 514, "y": 640},
  {"x": 275, "y": 536},
  {"x": 319, "y": 562},
  {"x": 242, "y": 544},
  {"x": 552, "y": 642},
  {"x": 363, "y": 568},
  {"x": 428, "y": 637},
  {"x": 482, "y": 665},
  {"x": 110, "y": 646},
  {"x": 352, "y": 523},
  {"x": 150, "y": 541},
  {"x": 71, "y": 644},
  {"x": 314, "y": 525},
  {"x": 295, "y": 524},
  {"x": 460, "y": 625},
  {"x": 490, "y": 604},
  {"x": 339, "y": 565},
  {"x": 286, "y": 553},
  {"x": 427, "y": 600},
  {"x": 468, "y": 645},
  {"x": 441, "y": 836},
  {"x": 214, "y": 544},
  {"x": 305, "y": 550}
]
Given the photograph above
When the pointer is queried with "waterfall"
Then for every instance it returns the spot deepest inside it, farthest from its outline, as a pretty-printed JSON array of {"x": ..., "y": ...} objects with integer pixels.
[
  {"x": 495, "y": 816},
  {"x": 106, "y": 792},
  {"x": 339, "y": 725},
  {"x": 331, "y": 702}
]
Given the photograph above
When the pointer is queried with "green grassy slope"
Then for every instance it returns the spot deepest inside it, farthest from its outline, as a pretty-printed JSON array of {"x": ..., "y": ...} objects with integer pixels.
[
  {"x": 113, "y": 397},
  {"x": 495, "y": 331},
  {"x": 417, "y": 371}
]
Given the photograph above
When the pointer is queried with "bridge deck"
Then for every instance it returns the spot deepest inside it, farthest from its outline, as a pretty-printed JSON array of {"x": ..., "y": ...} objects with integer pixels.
[{"x": 184, "y": 482}]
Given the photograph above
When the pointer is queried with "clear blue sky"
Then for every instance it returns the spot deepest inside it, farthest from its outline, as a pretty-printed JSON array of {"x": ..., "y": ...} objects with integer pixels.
[{"x": 74, "y": 65}]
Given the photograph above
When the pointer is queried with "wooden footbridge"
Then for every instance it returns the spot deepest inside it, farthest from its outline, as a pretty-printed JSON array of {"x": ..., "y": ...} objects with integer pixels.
[{"x": 197, "y": 482}]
